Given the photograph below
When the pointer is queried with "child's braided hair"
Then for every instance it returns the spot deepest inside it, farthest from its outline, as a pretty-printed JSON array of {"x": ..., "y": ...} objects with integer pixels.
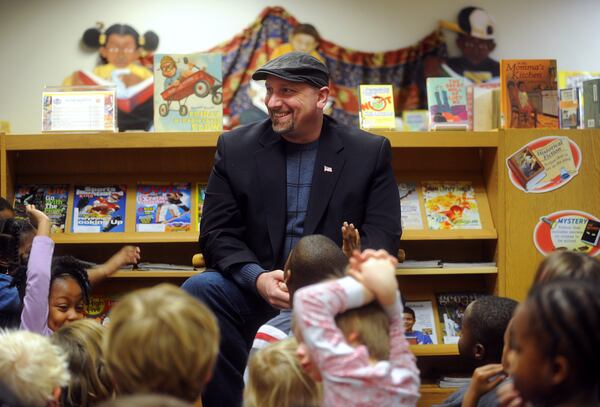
[{"x": 70, "y": 267}]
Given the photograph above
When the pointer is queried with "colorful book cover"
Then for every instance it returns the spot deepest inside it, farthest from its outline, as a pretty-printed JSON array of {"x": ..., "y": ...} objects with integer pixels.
[
  {"x": 377, "y": 107},
  {"x": 50, "y": 199},
  {"x": 99, "y": 209},
  {"x": 201, "y": 191},
  {"x": 451, "y": 309},
  {"x": 447, "y": 104},
  {"x": 415, "y": 120},
  {"x": 163, "y": 207},
  {"x": 188, "y": 93},
  {"x": 569, "y": 108},
  {"x": 529, "y": 93},
  {"x": 99, "y": 307},
  {"x": 422, "y": 327},
  {"x": 591, "y": 104},
  {"x": 410, "y": 209},
  {"x": 450, "y": 205}
]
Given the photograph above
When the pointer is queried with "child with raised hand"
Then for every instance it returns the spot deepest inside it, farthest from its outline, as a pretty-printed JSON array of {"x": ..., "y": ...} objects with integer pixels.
[
  {"x": 555, "y": 337},
  {"x": 350, "y": 375},
  {"x": 276, "y": 379}
]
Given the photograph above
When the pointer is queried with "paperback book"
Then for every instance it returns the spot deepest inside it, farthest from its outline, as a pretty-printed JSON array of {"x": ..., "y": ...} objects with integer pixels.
[
  {"x": 422, "y": 330},
  {"x": 569, "y": 108},
  {"x": 451, "y": 309},
  {"x": 529, "y": 93},
  {"x": 50, "y": 199},
  {"x": 201, "y": 191},
  {"x": 450, "y": 205},
  {"x": 99, "y": 209},
  {"x": 591, "y": 104},
  {"x": 483, "y": 104},
  {"x": 447, "y": 104},
  {"x": 163, "y": 207},
  {"x": 410, "y": 208},
  {"x": 188, "y": 94},
  {"x": 377, "y": 107}
]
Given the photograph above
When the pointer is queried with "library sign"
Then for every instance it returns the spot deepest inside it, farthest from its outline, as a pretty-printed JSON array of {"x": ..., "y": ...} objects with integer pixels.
[
  {"x": 567, "y": 230},
  {"x": 544, "y": 164}
]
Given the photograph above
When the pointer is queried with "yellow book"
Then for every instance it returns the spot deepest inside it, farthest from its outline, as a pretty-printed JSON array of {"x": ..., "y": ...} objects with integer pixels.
[{"x": 377, "y": 107}]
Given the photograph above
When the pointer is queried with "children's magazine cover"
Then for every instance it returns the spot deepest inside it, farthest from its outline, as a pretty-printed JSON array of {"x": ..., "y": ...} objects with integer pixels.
[
  {"x": 188, "y": 93},
  {"x": 201, "y": 191},
  {"x": 410, "y": 209},
  {"x": 163, "y": 207},
  {"x": 450, "y": 205},
  {"x": 99, "y": 209},
  {"x": 50, "y": 199},
  {"x": 423, "y": 331},
  {"x": 377, "y": 107},
  {"x": 529, "y": 93},
  {"x": 447, "y": 102},
  {"x": 99, "y": 307},
  {"x": 451, "y": 309}
]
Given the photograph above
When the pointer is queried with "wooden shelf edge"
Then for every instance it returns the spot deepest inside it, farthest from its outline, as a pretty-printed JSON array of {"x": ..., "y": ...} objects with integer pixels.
[
  {"x": 443, "y": 139},
  {"x": 156, "y": 273},
  {"x": 446, "y": 271},
  {"x": 434, "y": 350},
  {"x": 463, "y": 234},
  {"x": 125, "y": 237}
]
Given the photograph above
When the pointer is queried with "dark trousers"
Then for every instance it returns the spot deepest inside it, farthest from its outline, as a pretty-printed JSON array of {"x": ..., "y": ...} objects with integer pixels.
[{"x": 240, "y": 313}]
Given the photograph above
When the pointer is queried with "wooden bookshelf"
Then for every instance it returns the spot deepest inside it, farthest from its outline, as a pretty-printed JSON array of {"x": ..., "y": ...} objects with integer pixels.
[{"x": 451, "y": 271}]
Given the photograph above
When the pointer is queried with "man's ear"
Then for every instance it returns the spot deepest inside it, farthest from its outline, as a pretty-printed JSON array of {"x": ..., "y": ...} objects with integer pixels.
[
  {"x": 479, "y": 351},
  {"x": 323, "y": 96},
  {"x": 560, "y": 370}
]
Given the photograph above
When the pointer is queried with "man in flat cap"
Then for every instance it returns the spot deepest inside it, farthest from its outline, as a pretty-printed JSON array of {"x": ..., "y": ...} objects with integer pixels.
[{"x": 296, "y": 173}]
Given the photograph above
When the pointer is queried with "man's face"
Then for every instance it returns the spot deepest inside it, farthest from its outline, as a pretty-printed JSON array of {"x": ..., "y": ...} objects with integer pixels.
[
  {"x": 304, "y": 43},
  {"x": 295, "y": 108},
  {"x": 409, "y": 321},
  {"x": 475, "y": 50}
]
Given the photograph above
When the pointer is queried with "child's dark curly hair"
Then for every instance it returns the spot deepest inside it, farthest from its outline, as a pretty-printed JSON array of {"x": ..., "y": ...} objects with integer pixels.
[
  {"x": 69, "y": 267},
  {"x": 10, "y": 235}
]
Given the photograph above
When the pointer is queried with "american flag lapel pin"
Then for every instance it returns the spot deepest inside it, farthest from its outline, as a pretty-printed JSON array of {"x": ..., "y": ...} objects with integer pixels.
[{"x": 327, "y": 169}]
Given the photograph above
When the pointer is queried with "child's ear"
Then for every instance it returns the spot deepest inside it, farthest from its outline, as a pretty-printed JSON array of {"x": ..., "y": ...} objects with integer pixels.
[
  {"x": 479, "y": 351},
  {"x": 353, "y": 338},
  {"x": 560, "y": 370}
]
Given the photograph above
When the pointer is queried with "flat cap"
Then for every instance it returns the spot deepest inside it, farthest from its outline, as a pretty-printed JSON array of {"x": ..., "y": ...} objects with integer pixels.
[{"x": 295, "y": 67}]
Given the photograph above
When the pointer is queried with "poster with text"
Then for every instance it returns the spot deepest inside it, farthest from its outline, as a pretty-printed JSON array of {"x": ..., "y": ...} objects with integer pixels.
[{"x": 567, "y": 230}]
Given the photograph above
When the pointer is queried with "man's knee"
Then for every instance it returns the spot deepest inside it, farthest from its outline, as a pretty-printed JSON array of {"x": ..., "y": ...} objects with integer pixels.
[{"x": 208, "y": 286}]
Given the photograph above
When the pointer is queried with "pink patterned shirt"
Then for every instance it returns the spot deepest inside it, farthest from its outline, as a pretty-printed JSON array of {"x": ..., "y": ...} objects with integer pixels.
[{"x": 349, "y": 378}]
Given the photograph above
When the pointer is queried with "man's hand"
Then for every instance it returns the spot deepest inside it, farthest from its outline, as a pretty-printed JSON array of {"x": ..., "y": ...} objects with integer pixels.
[
  {"x": 481, "y": 383},
  {"x": 39, "y": 219},
  {"x": 350, "y": 239},
  {"x": 376, "y": 270},
  {"x": 272, "y": 288}
]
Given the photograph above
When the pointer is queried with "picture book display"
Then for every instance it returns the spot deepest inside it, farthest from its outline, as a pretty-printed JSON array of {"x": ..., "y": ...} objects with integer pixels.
[
  {"x": 415, "y": 120},
  {"x": 529, "y": 93},
  {"x": 450, "y": 205},
  {"x": 201, "y": 191},
  {"x": 569, "y": 108},
  {"x": 410, "y": 208},
  {"x": 99, "y": 209},
  {"x": 50, "y": 199},
  {"x": 451, "y": 309},
  {"x": 483, "y": 105},
  {"x": 422, "y": 331},
  {"x": 447, "y": 104},
  {"x": 591, "y": 104},
  {"x": 99, "y": 307},
  {"x": 163, "y": 207},
  {"x": 188, "y": 92},
  {"x": 377, "y": 107}
]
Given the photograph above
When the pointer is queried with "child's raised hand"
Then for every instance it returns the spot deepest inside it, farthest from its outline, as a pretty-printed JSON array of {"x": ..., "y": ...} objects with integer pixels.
[
  {"x": 127, "y": 255},
  {"x": 350, "y": 239},
  {"x": 485, "y": 378},
  {"x": 39, "y": 219},
  {"x": 376, "y": 270}
]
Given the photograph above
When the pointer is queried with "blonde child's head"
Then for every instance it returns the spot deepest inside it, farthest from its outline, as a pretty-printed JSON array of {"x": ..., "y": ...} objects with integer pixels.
[
  {"x": 81, "y": 341},
  {"x": 32, "y": 367},
  {"x": 555, "y": 337},
  {"x": 369, "y": 326},
  {"x": 277, "y": 380},
  {"x": 161, "y": 340}
]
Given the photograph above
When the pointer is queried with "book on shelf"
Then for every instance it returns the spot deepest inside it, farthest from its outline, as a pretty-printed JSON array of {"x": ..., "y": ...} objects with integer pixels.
[
  {"x": 529, "y": 93},
  {"x": 447, "y": 382},
  {"x": 188, "y": 93},
  {"x": 569, "y": 108},
  {"x": 591, "y": 104},
  {"x": 575, "y": 79},
  {"x": 163, "y": 207},
  {"x": 144, "y": 266},
  {"x": 99, "y": 307},
  {"x": 450, "y": 205},
  {"x": 410, "y": 207},
  {"x": 526, "y": 167},
  {"x": 483, "y": 105},
  {"x": 423, "y": 331},
  {"x": 50, "y": 199},
  {"x": 99, "y": 208},
  {"x": 201, "y": 191},
  {"x": 419, "y": 264},
  {"x": 451, "y": 309},
  {"x": 447, "y": 104},
  {"x": 376, "y": 107},
  {"x": 415, "y": 120}
]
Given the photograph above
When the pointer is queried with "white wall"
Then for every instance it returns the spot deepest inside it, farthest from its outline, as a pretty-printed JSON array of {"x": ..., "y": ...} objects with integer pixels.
[{"x": 39, "y": 39}]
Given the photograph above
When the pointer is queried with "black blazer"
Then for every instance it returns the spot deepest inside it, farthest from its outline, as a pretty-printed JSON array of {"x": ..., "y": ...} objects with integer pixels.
[{"x": 244, "y": 213}]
